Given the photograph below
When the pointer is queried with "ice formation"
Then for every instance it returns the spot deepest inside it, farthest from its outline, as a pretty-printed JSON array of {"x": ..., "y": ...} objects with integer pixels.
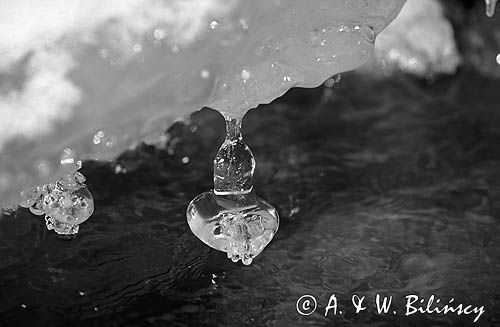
[
  {"x": 231, "y": 217},
  {"x": 99, "y": 77},
  {"x": 65, "y": 203}
]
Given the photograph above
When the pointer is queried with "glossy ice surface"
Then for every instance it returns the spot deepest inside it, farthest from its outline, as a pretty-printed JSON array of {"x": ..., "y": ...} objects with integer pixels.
[
  {"x": 231, "y": 217},
  {"x": 234, "y": 163},
  {"x": 240, "y": 225},
  {"x": 99, "y": 77}
]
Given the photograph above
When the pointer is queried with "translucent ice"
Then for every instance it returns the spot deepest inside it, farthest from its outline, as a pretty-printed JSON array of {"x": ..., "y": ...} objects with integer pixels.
[
  {"x": 232, "y": 218},
  {"x": 240, "y": 225},
  {"x": 234, "y": 163},
  {"x": 108, "y": 75},
  {"x": 65, "y": 203}
]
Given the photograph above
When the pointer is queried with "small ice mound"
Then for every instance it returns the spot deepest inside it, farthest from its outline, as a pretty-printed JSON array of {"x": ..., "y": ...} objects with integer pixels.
[
  {"x": 65, "y": 203},
  {"x": 419, "y": 41},
  {"x": 240, "y": 225}
]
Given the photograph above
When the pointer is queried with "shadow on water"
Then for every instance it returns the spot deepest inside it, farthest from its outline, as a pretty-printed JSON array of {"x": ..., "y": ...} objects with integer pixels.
[{"x": 383, "y": 186}]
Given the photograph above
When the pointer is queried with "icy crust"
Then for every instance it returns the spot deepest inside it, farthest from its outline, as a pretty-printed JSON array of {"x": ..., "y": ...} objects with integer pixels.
[{"x": 127, "y": 80}]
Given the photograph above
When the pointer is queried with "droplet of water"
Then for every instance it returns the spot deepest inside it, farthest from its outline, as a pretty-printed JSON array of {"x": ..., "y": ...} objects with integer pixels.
[
  {"x": 498, "y": 58},
  {"x": 232, "y": 218},
  {"x": 245, "y": 75},
  {"x": 175, "y": 49},
  {"x": 137, "y": 48},
  {"x": 490, "y": 7},
  {"x": 30, "y": 197},
  {"x": 120, "y": 170},
  {"x": 159, "y": 34},
  {"x": 205, "y": 74},
  {"x": 214, "y": 24},
  {"x": 98, "y": 137},
  {"x": 104, "y": 141},
  {"x": 329, "y": 82},
  {"x": 243, "y": 23}
]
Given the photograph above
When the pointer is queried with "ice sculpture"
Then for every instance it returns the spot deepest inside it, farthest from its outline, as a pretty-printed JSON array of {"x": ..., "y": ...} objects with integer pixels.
[{"x": 232, "y": 218}]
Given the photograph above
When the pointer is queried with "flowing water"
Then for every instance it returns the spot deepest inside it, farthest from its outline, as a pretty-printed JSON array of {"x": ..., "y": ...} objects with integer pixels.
[{"x": 382, "y": 186}]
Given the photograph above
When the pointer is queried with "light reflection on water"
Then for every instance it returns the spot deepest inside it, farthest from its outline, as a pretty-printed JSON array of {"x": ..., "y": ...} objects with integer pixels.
[{"x": 383, "y": 187}]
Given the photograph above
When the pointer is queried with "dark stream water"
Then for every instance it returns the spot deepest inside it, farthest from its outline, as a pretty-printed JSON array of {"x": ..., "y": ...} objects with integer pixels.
[{"x": 383, "y": 186}]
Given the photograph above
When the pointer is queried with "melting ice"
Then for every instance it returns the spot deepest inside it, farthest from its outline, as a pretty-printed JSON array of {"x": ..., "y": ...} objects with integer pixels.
[{"x": 231, "y": 217}]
